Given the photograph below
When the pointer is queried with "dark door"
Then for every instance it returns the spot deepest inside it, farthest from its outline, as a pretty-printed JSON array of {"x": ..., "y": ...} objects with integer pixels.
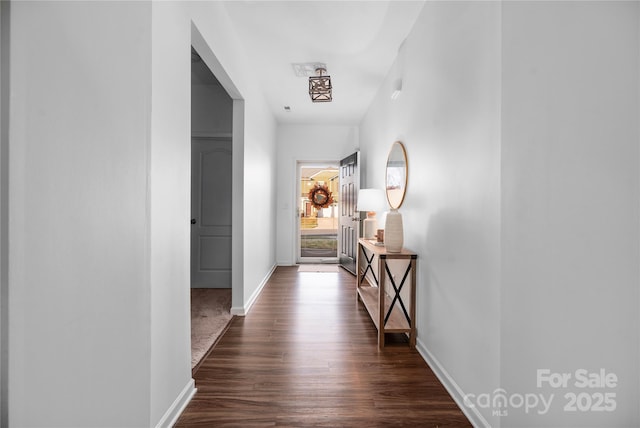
[
  {"x": 211, "y": 212},
  {"x": 349, "y": 225}
]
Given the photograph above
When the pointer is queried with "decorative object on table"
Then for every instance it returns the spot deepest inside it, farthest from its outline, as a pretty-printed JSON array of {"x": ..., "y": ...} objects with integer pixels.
[
  {"x": 396, "y": 186},
  {"x": 370, "y": 200},
  {"x": 394, "y": 236},
  {"x": 320, "y": 196},
  {"x": 380, "y": 235},
  {"x": 320, "y": 86}
]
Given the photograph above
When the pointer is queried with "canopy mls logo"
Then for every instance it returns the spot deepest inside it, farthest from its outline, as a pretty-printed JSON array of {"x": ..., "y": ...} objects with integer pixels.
[
  {"x": 585, "y": 392},
  {"x": 500, "y": 402}
]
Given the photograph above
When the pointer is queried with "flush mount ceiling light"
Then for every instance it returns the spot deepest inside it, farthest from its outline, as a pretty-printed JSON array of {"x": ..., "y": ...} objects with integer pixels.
[{"x": 320, "y": 87}]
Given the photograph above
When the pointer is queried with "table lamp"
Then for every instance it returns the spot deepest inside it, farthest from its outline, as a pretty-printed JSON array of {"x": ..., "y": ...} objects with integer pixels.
[{"x": 370, "y": 200}]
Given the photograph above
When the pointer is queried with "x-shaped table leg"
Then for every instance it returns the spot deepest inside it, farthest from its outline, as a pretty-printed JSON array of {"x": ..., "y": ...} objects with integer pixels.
[
  {"x": 368, "y": 268},
  {"x": 397, "y": 295}
]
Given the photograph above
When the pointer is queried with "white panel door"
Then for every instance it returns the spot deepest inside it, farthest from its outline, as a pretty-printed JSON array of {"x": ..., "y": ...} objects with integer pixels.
[
  {"x": 349, "y": 228},
  {"x": 211, "y": 212}
]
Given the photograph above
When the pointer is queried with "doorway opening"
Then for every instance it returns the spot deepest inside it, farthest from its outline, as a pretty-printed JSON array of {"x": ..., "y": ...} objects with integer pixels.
[
  {"x": 211, "y": 209},
  {"x": 211, "y": 178},
  {"x": 318, "y": 208}
]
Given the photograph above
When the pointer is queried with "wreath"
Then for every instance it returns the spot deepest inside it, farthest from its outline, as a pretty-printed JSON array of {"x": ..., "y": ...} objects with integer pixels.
[{"x": 320, "y": 196}]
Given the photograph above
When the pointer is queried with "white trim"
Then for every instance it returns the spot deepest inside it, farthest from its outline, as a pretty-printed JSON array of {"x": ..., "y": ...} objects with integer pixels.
[
  {"x": 472, "y": 413},
  {"x": 244, "y": 310},
  {"x": 208, "y": 135},
  {"x": 238, "y": 311},
  {"x": 173, "y": 413}
]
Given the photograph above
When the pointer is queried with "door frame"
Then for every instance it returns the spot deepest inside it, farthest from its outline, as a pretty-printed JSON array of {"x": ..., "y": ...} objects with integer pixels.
[
  {"x": 4, "y": 210},
  {"x": 296, "y": 223},
  {"x": 199, "y": 43}
]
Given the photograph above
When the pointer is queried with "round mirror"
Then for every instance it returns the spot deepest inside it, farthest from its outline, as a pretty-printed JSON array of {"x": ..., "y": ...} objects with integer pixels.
[{"x": 396, "y": 181}]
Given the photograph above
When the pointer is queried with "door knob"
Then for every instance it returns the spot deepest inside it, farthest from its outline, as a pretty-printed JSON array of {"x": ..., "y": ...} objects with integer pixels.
[{"x": 193, "y": 221}]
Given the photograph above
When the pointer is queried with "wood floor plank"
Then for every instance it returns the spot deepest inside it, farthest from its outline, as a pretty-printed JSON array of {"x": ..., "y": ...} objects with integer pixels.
[{"x": 306, "y": 356}]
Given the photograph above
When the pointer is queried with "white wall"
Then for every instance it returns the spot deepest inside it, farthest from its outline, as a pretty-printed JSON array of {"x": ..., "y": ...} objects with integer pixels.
[
  {"x": 570, "y": 193},
  {"x": 79, "y": 288},
  {"x": 521, "y": 126},
  {"x": 176, "y": 26},
  {"x": 260, "y": 193},
  {"x": 303, "y": 143},
  {"x": 448, "y": 117},
  {"x": 99, "y": 205},
  {"x": 170, "y": 208}
]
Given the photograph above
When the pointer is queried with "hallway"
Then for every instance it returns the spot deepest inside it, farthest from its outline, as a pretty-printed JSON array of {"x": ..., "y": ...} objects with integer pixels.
[{"x": 304, "y": 356}]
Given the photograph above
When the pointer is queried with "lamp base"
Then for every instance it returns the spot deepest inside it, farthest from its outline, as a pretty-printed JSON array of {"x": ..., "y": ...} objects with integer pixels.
[{"x": 369, "y": 226}]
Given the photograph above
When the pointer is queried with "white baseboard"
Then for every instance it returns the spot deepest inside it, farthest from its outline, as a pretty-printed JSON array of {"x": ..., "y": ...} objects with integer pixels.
[
  {"x": 173, "y": 413},
  {"x": 237, "y": 311},
  {"x": 472, "y": 413},
  {"x": 244, "y": 310}
]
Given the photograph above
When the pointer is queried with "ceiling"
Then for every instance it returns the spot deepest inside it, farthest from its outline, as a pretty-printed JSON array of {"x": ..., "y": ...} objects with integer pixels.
[
  {"x": 324, "y": 174},
  {"x": 357, "y": 40}
]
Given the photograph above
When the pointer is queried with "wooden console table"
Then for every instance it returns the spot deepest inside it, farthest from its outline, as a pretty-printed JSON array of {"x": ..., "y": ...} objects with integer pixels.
[{"x": 385, "y": 305}]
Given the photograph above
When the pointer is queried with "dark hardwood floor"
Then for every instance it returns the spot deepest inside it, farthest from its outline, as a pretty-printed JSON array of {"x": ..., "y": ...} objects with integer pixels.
[{"x": 305, "y": 356}]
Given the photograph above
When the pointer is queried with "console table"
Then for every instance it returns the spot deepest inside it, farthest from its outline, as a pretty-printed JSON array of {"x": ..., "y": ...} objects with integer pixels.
[{"x": 385, "y": 304}]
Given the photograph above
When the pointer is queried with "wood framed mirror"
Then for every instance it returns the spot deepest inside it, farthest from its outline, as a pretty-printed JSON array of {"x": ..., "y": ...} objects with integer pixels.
[{"x": 396, "y": 175}]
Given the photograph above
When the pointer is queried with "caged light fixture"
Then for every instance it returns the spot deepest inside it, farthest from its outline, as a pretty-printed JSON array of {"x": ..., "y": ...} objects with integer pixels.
[{"x": 320, "y": 87}]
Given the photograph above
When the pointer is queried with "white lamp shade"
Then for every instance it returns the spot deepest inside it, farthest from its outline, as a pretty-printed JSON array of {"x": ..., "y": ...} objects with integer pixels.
[{"x": 371, "y": 200}]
